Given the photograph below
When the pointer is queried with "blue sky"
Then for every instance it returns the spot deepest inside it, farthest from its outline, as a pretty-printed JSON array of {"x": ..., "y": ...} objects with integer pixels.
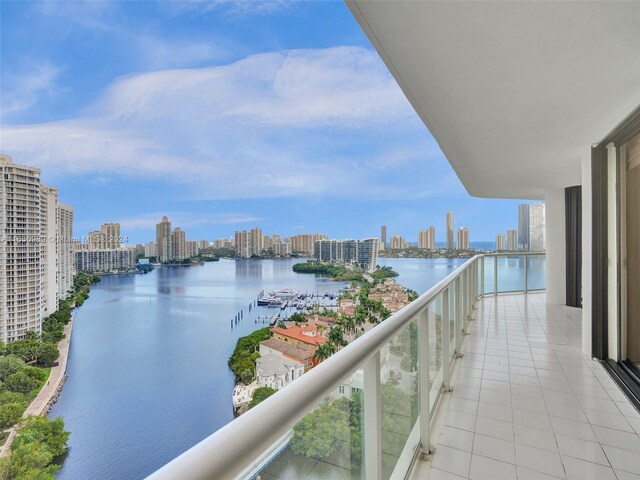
[{"x": 223, "y": 115}]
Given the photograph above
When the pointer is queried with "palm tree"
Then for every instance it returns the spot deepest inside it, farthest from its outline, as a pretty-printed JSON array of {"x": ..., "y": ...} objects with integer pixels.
[
  {"x": 336, "y": 337},
  {"x": 323, "y": 352},
  {"x": 349, "y": 323}
]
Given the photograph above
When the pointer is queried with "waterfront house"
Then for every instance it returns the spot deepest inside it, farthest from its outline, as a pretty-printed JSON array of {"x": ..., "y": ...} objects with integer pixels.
[
  {"x": 277, "y": 371},
  {"x": 300, "y": 352}
]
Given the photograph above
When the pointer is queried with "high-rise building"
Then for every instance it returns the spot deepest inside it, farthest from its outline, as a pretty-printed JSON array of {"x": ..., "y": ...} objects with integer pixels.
[
  {"x": 150, "y": 249},
  {"x": 190, "y": 248},
  {"x": 256, "y": 241},
  {"x": 537, "y": 227},
  {"x": 362, "y": 252},
  {"x": 383, "y": 237},
  {"x": 512, "y": 240},
  {"x": 48, "y": 253},
  {"x": 398, "y": 242},
  {"x": 281, "y": 249},
  {"x": 111, "y": 235},
  {"x": 427, "y": 238},
  {"x": 64, "y": 249},
  {"x": 305, "y": 242},
  {"x": 500, "y": 242},
  {"x": 243, "y": 244},
  {"x": 531, "y": 227},
  {"x": 523, "y": 226},
  {"x": 164, "y": 246},
  {"x": 105, "y": 260},
  {"x": 449, "y": 230},
  {"x": 95, "y": 240},
  {"x": 178, "y": 242},
  {"x": 30, "y": 275},
  {"x": 463, "y": 238}
]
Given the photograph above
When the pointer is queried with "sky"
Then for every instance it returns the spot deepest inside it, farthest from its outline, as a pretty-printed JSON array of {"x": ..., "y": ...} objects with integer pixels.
[{"x": 223, "y": 116}]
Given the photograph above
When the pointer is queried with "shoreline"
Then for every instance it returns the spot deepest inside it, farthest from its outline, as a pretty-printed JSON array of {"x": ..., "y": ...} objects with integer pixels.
[{"x": 50, "y": 392}]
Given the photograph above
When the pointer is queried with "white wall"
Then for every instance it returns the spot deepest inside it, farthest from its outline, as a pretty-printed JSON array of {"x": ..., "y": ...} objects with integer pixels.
[
  {"x": 556, "y": 255},
  {"x": 587, "y": 250}
]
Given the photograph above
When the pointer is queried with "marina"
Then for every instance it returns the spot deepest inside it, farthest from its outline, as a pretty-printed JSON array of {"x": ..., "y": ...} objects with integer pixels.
[{"x": 288, "y": 301}]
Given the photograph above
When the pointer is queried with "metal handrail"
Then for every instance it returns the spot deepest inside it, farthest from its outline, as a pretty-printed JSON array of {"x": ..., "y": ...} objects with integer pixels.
[{"x": 228, "y": 451}]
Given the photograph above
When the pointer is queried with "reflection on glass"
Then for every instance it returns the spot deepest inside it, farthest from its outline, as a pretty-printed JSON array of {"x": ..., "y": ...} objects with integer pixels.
[
  {"x": 536, "y": 272},
  {"x": 511, "y": 274},
  {"x": 400, "y": 400},
  {"x": 327, "y": 443},
  {"x": 489, "y": 269}
]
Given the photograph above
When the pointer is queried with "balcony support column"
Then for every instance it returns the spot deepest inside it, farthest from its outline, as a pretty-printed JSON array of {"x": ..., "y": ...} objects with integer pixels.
[{"x": 555, "y": 246}]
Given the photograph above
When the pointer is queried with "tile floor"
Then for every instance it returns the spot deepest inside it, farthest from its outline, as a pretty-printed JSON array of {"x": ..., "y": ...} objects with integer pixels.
[{"x": 526, "y": 404}]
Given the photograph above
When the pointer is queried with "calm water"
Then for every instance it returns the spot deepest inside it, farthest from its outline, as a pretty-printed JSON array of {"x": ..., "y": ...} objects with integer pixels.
[{"x": 148, "y": 375}]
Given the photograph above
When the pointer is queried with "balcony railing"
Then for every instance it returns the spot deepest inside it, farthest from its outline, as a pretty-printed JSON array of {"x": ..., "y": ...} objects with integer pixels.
[{"x": 366, "y": 411}]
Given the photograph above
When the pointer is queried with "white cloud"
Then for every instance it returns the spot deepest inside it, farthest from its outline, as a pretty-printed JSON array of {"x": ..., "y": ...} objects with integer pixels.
[
  {"x": 231, "y": 8},
  {"x": 25, "y": 87},
  {"x": 290, "y": 123},
  {"x": 182, "y": 219}
]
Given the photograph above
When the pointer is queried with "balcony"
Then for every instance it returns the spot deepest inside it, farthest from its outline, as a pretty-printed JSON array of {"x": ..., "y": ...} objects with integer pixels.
[{"x": 479, "y": 367}]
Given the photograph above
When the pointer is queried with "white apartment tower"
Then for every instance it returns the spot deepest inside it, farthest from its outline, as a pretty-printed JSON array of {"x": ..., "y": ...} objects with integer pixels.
[
  {"x": 31, "y": 270},
  {"x": 537, "y": 227},
  {"x": 500, "y": 242},
  {"x": 48, "y": 249},
  {"x": 64, "y": 249}
]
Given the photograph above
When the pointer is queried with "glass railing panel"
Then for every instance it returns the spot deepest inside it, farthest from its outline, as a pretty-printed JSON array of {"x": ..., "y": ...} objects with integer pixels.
[
  {"x": 400, "y": 401},
  {"x": 511, "y": 274},
  {"x": 326, "y": 444},
  {"x": 435, "y": 349},
  {"x": 536, "y": 272},
  {"x": 489, "y": 269}
]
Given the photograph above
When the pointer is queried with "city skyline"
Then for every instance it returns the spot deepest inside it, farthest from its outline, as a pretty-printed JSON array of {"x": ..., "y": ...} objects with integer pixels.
[{"x": 308, "y": 144}]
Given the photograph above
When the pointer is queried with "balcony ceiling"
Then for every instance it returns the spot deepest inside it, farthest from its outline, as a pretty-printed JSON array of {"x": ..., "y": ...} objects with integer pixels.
[{"x": 514, "y": 93}]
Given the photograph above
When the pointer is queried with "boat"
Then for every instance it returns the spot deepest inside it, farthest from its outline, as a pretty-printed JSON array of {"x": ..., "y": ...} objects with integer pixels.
[
  {"x": 270, "y": 302},
  {"x": 284, "y": 293}
]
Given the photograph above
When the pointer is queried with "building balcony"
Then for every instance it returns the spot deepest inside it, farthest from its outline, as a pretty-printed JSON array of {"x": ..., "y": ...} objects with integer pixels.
[{"x": 468, "y": 380}]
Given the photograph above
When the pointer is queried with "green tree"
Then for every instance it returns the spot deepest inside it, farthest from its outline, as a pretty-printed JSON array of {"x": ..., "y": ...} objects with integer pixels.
[
  {"x": 10, "y": 413},
  {"x": 260, "y": 394},
  {"x": 50, "y": 433},
  {"x": 323, "y": 431},
  {"x": 26, "y": 349},
  {"x": 297, "y": 317},
  {"x": 246, "y": 376},
  {"x": 12, "y": 397},
  {"x": 20, "y": 382},
  {"x": 30, "y": 462},
  {"x": 245, "y": 354},
  {"x": 47, "y": 354},
  {"x": 323, "y": 352},
  {"x": 10, "y": 365},
  {"x": 336, "y": 337}
]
